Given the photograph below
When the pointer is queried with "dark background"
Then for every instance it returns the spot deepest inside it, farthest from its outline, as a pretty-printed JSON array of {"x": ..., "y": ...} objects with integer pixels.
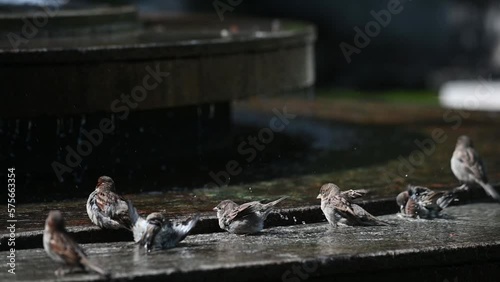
[{"x": 426, "y": 44}]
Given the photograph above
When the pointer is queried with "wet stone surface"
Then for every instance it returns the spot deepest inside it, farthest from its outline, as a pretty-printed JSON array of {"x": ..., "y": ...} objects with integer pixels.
[
  {"x": 354, "y": 151},
  {"x": 470, "y": 234}
]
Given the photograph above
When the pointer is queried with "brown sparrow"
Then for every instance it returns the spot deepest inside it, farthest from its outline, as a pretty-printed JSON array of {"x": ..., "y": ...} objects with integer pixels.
[
  {"x": 156, "y": 232},
  {"x": 422, "y": 202},
  {"x": 62, "y": 248},
  {"x": 105, "y": 208},
  {"x": 247, "y": 218},
  {"x": 468, "y": 167},
  {"x": 337, "y": 207}
]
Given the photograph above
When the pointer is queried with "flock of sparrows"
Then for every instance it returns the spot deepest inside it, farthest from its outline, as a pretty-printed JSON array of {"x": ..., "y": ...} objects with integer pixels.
[{"x": 109, "y": 210}]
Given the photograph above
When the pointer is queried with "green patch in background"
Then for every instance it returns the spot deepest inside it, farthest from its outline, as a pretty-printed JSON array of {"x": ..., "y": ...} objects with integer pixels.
[{"x": 422, "y": 97}]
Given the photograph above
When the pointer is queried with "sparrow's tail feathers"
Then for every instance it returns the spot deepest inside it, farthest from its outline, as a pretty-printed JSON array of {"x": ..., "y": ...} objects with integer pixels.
[
  {"x": 489, "y": 190},
  {"x": 95, "y": 268}
]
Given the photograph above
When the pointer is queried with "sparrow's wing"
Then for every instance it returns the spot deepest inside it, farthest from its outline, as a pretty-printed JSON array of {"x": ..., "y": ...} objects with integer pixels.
[
  {"x": 354, "y": 194},
  {"x": 173, "y": 232},
  {"x": 481, "y": 171},
  {"x": 429, "y": 199},
  {"x": 430, "y": 204},
  {"x": 113, "y": 206},
  {"x": 68, "y": 250},
  {"x": 445, "y": 199},
  {"x": 139, "y": 224},
  {"x": 244, "y": 210},
  {"x": 471, "y": 163},
  {"x": 340, "y": 204},
  {"x": 437, "y": 200}
]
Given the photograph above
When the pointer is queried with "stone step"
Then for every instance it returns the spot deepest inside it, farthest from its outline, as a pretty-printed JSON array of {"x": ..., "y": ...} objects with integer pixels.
[{"x": 463, "y": 246}]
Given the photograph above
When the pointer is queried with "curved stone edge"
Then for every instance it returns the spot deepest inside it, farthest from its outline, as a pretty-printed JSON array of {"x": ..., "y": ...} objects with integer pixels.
[
  {"x": 424, "y": 264},
  {"x": 190, "y": 81}
]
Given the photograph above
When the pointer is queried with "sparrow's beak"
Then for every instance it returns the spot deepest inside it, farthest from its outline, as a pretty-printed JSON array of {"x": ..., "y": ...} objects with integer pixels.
[
  {"x": 319, "y": 196},
  {"x": 215, "y": 209}
]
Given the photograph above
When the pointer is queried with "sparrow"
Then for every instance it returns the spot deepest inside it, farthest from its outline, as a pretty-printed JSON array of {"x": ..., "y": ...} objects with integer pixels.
[
  {"x": 156, "y": 232},
  {"x": 62, "y": 248},
  {"x": 338, "y": 208},
  {"x": 247, "y": 218},
  {"x": 422, "y": 202},
  {"x": 107, "y": 209},
  {"x": 468, "y": 167}
]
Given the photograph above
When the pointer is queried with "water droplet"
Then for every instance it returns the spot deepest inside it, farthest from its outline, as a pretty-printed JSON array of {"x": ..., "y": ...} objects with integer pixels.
[
  {"x": 303, "y": 222},
  {"x": 294, "y": 219}
]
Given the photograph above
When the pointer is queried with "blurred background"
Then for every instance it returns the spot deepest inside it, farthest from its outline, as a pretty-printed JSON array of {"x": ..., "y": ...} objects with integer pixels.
[
  {"x": 422, "y": 46},
  {"x": 426, "y": 44}
]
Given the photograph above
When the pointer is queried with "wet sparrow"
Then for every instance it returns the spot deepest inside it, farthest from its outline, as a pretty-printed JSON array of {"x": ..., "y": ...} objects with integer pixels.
[
  {"x": 422, "y": 202},
  {"x": 156, "y": 232},
  {"x": 247, "y": 218},
  {"x": 62, "y": 248},
  {"x": 468, "y": 167},
  {"x": 105, "y": 208},
  {"x": 337, "y": 207}
]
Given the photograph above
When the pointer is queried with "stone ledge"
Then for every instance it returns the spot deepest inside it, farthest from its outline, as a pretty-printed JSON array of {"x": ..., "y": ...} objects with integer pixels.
[
  {"x": 465, "y": 247},
  {"x": 209, "y": 224}
]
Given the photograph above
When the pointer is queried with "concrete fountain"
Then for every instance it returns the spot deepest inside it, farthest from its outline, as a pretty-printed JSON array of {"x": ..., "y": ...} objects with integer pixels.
[
  {"x": 191, "y": 112},
  {"x": 95, "y": 75}
]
